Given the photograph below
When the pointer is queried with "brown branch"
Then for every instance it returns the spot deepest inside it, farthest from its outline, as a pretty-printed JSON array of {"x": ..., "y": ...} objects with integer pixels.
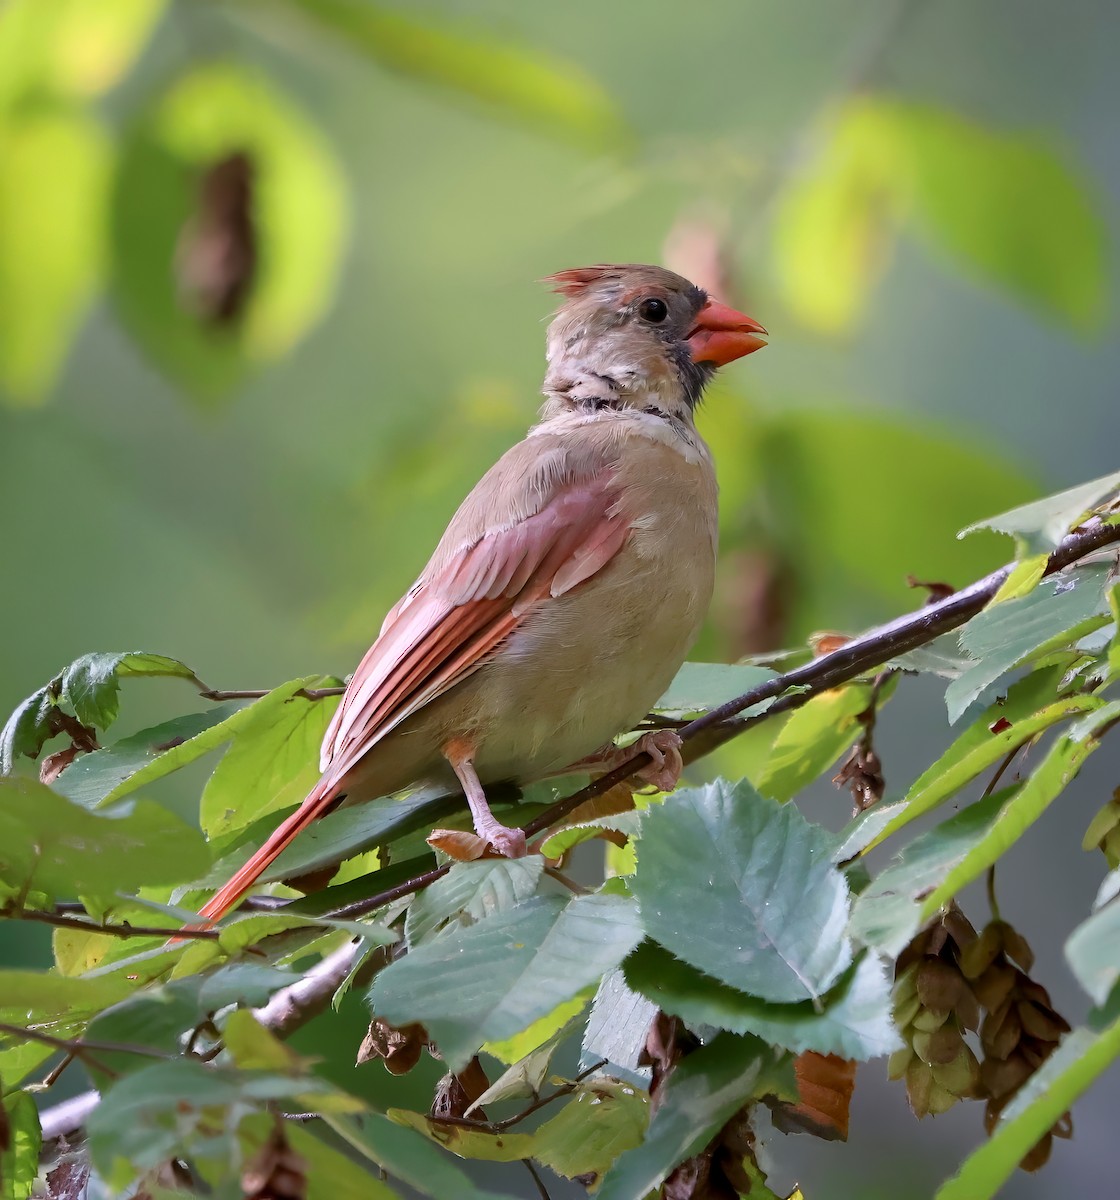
[
  {"x": 122, "y": 929},
  {"x": 258, "y": 693},
  {"x": 80, "y": 1047}
]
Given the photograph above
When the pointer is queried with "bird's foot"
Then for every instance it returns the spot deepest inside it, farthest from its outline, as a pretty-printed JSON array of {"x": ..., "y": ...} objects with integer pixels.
[
  {"x": 664, "y": 747},
  {"x": 465, "y": 846},
  {"x": 509, "y": 843}
]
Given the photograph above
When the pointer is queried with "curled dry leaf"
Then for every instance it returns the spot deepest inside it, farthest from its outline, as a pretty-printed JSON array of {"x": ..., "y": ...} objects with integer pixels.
[
  {"x": 399, "y": 1049},
  {"x": 825, "y": 1083},
  {"x": 275, "y": 1172},
  {"x": 459, "y": 844}
]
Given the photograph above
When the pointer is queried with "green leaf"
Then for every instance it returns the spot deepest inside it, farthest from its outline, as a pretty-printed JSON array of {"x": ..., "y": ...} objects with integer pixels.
[
  {"x": 983, "y": 745},
  {"x": 700, "y": 687},
  {"x": 742, "y": 888},
  {"x": 54, "y": 176},
  {"x": 272, "y": 764},
  {"x": 490, "y": 980},
  {"x": 51, "y": 998},
  {"x": 19, "y": 1152},
  {"x": 471, "y": 891},
  {"x": 1059, "y": 611},
  {"x": 1010, "y": 210},
  {"x": 553, "y": 93},
  {"x": 852, "y": 1020},
  {"x": 1039, "y": 526},
  {"x": 49, "y": 844},
  {"x": 603, "y": 1119},
  {"x": 617, "y": 1026},
  {"x": 1049, "y": 779},
  {"x": 1091, "y": 951},
  {"x": 69, "y": 47},
  {"x": 812, "y": 739},
  {"x": 703, "y": 1092},
  {"x": 833, "y": 234},
  {"x": 298, "y": 217},
  {"x": 1070, "y": 1071},
  {"x": 410, "y": 1157},
  {"x": 90, "y": 684},
  {"x": 26, "y": 730}
]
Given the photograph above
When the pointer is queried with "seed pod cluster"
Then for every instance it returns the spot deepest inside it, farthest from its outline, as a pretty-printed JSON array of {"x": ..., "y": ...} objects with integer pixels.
[
  {"x": 933, "y": 1008},
  {"x": 276, "y": 1172},
  {"x": 1020, "y": 1029}
]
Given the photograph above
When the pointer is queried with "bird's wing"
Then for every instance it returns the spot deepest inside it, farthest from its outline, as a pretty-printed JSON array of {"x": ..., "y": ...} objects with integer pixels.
[{"x": 561, "y": 527}]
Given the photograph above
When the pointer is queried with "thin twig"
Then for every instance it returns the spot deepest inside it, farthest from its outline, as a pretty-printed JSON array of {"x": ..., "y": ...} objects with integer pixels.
[
  {"x": 258, "y": 693},
  {"x": 81, "y": 1046},
  {"x": 122, "y": 929},
  {"x": 542, "y": 1191},
  {"x": 540, "y": 1102}
]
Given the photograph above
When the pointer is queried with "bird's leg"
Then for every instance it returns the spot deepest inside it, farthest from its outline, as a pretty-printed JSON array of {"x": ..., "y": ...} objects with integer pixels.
[
  {"x": 508, "y": 842},
  {"x": 662, "y": 745}
]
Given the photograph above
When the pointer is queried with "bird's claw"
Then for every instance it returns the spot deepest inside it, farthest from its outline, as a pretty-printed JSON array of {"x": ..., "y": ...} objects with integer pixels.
[{"x": 664, "y": 747}]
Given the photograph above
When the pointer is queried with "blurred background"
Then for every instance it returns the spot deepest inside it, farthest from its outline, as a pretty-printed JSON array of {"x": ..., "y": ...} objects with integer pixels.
[{"x": 268, "y": 310}]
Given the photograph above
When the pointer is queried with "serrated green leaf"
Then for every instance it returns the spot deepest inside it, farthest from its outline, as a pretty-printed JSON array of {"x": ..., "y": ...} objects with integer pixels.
[
  {"x": 1039, "y": 526},
  {"x": 55, "y": 165},
  {"x": 1049, "y": 779},
  {"x": 699, "y": 687},
  {"x": 886, "y": 914},
  {"x": 703, "y": 1092},
  {"x": 50, "y": 844},
  {"x": 1059, "y": 611},
  {"x": 471, "y": 891},
  {"x": 410, "y": 1157},
  {"x": 743, "y": 889},
  {"x": 206, "y": 117},
  {"x": 272, "y": 764},
  {"x": 812, "y": 739},
  {"x": 26, "y": 730},
  {"x": 982, "y": 745},
  {"x": 852, "y": 1020},
  {"x": 570, "y": 836},
  {"x": 91, "y": 686},
  {"x": 1070, "y": 1071},
  {"x": 1091, "y": 951},
  {"x": 524, "y": 82},
  {"x": 466, "y": 1142},
  {"x": 490, "y": 980},
  {"x": 19, "y": 1155},
  {"x": 603, "y": 1119}
]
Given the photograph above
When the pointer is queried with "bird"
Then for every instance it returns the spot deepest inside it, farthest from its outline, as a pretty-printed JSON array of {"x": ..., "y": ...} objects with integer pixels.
[{"x": 568, "y": 587}]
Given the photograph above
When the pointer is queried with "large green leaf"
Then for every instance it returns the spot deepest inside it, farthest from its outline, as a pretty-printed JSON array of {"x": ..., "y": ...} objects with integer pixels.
[
  {"x": 1039, "y": 526},
  {"x": 525, "y": 82},
  {"x": 19, "y": 1149},
  {"x": 54, "y": 176},
  {"x": 42, "y": 998},
  {"x": 703, "y": 1092},
  {"x": 1071, "y": 1070},
  {"x": 490, "y": 980},
  {"x": 91, "y": 684},
  {"x": 743, "y": 889},
  {"x": 1056, "y": 613},
  {"x": 297, "y": 215},
  {"x": 812, "y": 739},
  {"x": 49, "y": 844},
  {"x": 1093, "y": 949},
  {"x": 852, "y": 1019},
  {"x": 471, "y": 891},
  {"x": 272, "y": 764}
]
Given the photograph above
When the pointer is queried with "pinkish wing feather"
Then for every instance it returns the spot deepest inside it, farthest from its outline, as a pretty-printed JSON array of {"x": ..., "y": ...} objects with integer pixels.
[{"x": 449, "y": 623}]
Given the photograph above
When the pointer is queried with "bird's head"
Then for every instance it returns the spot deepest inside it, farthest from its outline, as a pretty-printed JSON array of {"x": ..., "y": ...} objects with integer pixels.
[{"x": 639, "y": 336}]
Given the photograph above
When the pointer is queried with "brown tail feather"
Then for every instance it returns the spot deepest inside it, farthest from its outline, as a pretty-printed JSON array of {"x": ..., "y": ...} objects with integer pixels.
[{"x": 318, "y": 801}]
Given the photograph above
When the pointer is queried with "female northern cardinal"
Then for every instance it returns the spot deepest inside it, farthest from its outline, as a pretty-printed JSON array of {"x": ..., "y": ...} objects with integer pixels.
[{"x": 570, "y": 584}]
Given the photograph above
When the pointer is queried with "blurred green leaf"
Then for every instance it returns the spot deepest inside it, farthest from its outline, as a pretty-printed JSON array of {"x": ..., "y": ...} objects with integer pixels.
[
  {"x": 331, "y": 1174},
  {"x": 166, "y": 226},
  {"x": 1010, "y": 210},
  {"x": 1092, "y": 950},
  {"x": 492, "y": 979},
  {"x": 1070, "y": 1071},
  {"x": 852, "y": 1019},
  {"x": 54, "y": 177},
  {"x": 742, "y": 888},
  {"x": 812, "y": 739},
  {"x": 833, "y": 234},
  {"x": 1060, "y": 610},
  {"x": 71, "y": 47},
  {"x": 19, "y": 1148},
  {"x": 703, "y": 1092},
  {"x": 51, "y": 998},
  {"x": 1039, "y": 526},
  {"x": 543, "y": 90},
  {"x": 471, "y": 891},
  {"x": 50, "y": 844},
  {"x": 699, "y": 687},
  {"x": 91, "y": 684},
  {"x": 271, "y": 765},
  {"x": 603, "y": 1119}
]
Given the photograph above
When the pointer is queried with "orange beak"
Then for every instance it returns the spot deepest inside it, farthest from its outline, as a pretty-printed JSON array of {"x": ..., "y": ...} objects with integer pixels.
[{"x": 721, "y": 335}]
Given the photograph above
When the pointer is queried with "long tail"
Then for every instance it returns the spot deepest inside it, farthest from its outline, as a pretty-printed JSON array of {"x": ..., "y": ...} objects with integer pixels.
[{"x": 318, "y": 802}]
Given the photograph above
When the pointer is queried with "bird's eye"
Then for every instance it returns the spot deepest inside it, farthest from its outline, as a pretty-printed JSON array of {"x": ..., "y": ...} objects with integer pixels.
[{"x": 654, "y": 310}]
